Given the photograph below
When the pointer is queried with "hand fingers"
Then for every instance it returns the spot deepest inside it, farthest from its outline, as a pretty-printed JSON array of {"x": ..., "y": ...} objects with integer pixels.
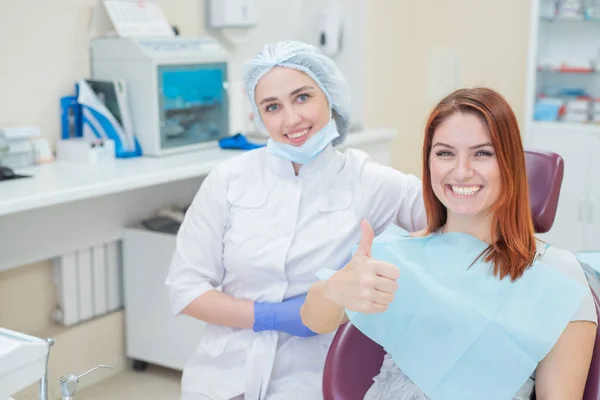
[
  {"x": 382, "y": 298},
  {"x": 366, "y": 239},
  {"x": 374, "y": 300},
  {"x": 385, "y": 269},
  {"x": 375, "y": 308},
  {"x": 376, "y": 275},
  {"x": 386, "y": 285}
]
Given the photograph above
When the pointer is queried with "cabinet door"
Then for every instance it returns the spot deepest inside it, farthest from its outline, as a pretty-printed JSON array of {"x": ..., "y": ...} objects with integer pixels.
[
  {"x": 152, "y": 333},
  {"x": 569, "y": 229},
  {"x": 592, "y": 242}
]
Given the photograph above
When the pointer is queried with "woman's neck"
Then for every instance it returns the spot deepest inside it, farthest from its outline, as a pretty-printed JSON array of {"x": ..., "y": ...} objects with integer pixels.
[{"x": 478, "y": 226}]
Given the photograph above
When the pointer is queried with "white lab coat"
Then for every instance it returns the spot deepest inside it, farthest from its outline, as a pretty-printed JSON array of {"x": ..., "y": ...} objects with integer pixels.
[{"x": 259, "y": 232}]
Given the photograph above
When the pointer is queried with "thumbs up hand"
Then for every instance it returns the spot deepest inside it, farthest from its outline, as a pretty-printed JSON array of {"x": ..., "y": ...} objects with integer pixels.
[{"x": 364, "y": 285}]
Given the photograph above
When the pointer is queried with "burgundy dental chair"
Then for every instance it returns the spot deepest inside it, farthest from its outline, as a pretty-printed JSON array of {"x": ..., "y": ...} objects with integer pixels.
[{"x": 354, "y": 360}]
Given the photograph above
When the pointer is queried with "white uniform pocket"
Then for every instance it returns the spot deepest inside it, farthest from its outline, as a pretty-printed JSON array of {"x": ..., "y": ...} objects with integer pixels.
[
  {"x": 336, "y": 215},
  {"x": 247, "y": 207}
]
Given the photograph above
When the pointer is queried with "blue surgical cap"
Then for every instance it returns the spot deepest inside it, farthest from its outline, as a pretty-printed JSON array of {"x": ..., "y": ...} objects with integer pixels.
[{"x": 308, "y": 59}]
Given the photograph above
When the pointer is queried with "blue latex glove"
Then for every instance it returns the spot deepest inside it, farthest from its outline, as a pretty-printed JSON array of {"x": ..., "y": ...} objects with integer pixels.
[
  {"x": 284, "y": 317},
  {"x": 238, "y": 142}
]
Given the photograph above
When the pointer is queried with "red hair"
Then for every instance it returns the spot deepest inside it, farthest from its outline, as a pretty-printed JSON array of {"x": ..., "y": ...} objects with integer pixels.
[{"x": 514, "y": 247}]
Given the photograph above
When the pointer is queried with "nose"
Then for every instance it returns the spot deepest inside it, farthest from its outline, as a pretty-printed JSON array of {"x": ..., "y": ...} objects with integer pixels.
[
  {"x": 463, "y": 169},
  {"x": 291, "y": 117}
]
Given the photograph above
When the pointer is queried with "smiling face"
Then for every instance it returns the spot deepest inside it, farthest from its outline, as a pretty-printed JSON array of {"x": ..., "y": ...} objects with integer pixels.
[
  {"x": 291, "y": 105},
  {"x": 465, "y": 175}
]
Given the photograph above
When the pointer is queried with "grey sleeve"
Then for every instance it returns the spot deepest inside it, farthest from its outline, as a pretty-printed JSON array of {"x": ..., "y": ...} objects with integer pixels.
[{"x": 565, "y": 262}]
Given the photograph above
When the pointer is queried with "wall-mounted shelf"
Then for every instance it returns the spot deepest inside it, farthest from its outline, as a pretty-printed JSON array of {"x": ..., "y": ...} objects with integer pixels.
[
  {"x": 564, "y": 63},
  {"x": 562, "y": 115},
  {"x": 571, "y": 127},
  {"x": 570, "y": 19},
  {"x": 569, "y": 70}
]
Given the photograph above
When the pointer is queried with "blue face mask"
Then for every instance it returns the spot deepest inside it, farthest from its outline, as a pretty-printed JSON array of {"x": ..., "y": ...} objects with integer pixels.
[{"x": 309, "y": 150}]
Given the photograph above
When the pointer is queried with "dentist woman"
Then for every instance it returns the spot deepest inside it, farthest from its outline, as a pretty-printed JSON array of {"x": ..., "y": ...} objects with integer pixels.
[{"x": 264, "y": 222}]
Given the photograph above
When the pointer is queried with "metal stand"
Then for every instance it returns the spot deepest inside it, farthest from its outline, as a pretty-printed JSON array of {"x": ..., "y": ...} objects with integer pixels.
[
  {"x": 43, "y": 395},
  {"x": 68, "y": 384}
]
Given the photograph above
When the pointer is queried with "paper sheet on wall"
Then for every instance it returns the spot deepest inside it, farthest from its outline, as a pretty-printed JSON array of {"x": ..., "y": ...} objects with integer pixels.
[{"x": 135, "y": 18}]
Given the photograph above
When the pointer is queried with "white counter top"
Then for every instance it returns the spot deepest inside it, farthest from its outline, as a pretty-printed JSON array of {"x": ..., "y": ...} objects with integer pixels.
[{"x": 62, "y": 181}]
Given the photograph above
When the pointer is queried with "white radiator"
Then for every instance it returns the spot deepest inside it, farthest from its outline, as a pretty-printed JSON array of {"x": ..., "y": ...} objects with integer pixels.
[{"x": 88, "y": 283}]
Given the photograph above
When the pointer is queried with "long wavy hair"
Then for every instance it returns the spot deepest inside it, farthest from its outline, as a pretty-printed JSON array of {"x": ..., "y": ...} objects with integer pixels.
[{"x": 513, "y": 248}]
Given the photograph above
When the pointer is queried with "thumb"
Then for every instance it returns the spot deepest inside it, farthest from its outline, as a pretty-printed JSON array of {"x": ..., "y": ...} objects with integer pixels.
[{"x": 366, "y": 239}]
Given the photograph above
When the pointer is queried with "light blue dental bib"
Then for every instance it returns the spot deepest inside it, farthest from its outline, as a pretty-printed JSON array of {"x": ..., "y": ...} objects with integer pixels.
[{"x": 459, "y": 332}]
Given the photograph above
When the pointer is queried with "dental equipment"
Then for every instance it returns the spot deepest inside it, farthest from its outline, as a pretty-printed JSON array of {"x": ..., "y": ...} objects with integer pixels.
[{"x": 24, "y": 360}]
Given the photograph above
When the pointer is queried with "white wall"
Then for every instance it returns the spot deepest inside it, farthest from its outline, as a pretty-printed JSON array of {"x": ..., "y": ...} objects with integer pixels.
[{"x": 487, "y": 38}]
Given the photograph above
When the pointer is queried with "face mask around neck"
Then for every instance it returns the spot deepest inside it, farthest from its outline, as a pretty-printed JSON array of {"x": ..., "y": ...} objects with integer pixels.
[{"x": 309, "y": 150}]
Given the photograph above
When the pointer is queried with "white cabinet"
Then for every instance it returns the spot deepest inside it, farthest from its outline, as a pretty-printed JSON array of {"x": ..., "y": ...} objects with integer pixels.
[
  {"x": 153, "y": 334},
  {"x": 577, "y": 224},
  {"x": 593, "y": 213}
]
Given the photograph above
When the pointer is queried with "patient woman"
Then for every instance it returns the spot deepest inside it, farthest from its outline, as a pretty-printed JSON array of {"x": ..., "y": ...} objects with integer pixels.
[{"x": 474, "y": 182}]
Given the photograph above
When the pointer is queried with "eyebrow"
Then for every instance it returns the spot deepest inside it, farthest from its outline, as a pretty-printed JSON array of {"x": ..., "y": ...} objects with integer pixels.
[
  {"x": 293, "y": 93},
  {"x": 471, "y": 148}
]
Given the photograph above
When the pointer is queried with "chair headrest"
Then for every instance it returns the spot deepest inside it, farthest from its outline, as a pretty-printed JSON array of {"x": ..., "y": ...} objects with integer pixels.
[{"x": 545, "y": 172}]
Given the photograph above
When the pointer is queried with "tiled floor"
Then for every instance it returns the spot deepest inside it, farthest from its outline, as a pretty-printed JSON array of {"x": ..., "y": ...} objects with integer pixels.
[{"x": 155, "y": 383}]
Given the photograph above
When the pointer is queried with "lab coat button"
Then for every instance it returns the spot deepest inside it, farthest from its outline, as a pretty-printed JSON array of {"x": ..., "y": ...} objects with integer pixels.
[{"x": 287, "y": 234}]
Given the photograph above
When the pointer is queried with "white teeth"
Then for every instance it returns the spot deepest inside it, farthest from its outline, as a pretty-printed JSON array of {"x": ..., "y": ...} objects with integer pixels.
[
  {"x": 298, "y": 134},
  {"x": 466, "y": 191}
]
